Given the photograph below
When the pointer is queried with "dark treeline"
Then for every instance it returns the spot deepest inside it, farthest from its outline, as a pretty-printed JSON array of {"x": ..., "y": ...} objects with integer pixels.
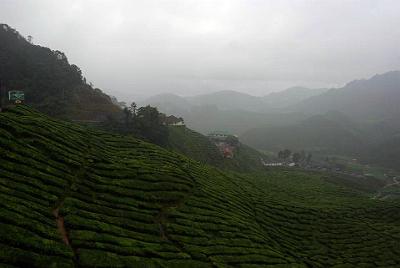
[{"x": 144, "y": 122}]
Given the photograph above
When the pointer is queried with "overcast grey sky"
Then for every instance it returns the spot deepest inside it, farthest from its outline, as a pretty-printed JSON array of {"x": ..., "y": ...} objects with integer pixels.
[{"x": 188, "y": 47}]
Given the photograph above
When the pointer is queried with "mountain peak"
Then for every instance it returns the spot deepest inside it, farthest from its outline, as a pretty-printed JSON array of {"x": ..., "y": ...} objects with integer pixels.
[
  {"x": 388, "y": 77},
  {"x": 366, "y": 99}
]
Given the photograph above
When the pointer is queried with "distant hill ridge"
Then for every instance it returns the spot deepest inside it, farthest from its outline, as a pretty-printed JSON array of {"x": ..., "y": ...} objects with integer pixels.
[
  {"x": 234, "y": 100},
  {"x": 374, "y": 99},
  {"x": 290, "y": 96},
  {"x": 360, "y": 119},
  {"x": 232, "y": 111}
]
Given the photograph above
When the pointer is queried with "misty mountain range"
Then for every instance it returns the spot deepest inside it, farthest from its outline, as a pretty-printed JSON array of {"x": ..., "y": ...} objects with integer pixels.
[
  {"x": 358, "y": 119},
  {"x": 233, "y": 100},
  {"x": 373, "y": 100}
]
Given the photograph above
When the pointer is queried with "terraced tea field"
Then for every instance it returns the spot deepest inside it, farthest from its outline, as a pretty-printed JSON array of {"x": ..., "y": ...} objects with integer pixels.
[
  {"x": 194, "y": 145},
  {"x": 198, "y": 147},
  {"x": 75, "y": 197}
]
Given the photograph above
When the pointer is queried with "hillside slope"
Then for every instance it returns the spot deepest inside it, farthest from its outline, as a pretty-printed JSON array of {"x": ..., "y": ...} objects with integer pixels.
[
  {"x": 328, "y": 133},
  {"x": 74, "y": 197},
  {"x": 374, "y": 99},
  {"x": 229, "y": 100},
  {"x": 49, "y": 81},
  {"x": 207, "y": 119},
  {"x": 194, "y": 145},
  {"x": 198, "y": 147},
  {"x": 291, "y": 96}
]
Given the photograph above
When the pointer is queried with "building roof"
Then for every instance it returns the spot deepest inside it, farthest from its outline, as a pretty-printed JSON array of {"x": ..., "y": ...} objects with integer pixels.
[{"x": 219, "y": 133}]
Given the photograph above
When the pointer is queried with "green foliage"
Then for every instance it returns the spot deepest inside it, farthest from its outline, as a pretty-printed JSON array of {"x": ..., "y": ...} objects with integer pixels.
[
  {"x": 145, "y": 123},
  {"x": 128, "y": 203},
  {"x": 149, "y": 124}
]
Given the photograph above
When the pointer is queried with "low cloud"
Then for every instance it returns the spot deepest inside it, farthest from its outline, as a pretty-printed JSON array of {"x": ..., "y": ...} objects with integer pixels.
[{"x": 140, "y": 48}]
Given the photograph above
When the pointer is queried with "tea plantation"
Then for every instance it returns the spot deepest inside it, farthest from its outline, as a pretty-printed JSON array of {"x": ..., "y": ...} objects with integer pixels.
[
  {"x": 194, "y": 145},
  {"x": 76, "y": 197},
  {"x": 198, "y": 147}
]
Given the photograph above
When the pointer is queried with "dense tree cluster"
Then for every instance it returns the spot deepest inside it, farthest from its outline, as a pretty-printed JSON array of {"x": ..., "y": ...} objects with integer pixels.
[{"x": 144, "y": 122}]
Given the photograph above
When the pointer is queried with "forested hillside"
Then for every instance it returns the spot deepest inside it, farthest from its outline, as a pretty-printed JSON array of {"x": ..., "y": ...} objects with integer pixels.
[
  {"x": 49, "y": 81},
  {"x": 75, "y": 197}
]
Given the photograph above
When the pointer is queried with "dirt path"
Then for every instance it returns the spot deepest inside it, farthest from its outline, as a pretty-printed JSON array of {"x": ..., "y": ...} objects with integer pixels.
[
  {"x": 59, "y": 218},
  {"x": 395, "y": 182},
  {"x": 60, "y": 226}
]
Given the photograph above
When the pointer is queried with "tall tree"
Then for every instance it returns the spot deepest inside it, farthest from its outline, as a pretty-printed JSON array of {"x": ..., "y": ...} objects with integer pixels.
[
  {"x": 149, "y": 125},
  {"x": 133, "y": 109}
]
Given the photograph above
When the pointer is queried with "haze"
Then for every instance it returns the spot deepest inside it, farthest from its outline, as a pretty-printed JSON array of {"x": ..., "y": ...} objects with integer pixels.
[{"x": 141, "y": 48}]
